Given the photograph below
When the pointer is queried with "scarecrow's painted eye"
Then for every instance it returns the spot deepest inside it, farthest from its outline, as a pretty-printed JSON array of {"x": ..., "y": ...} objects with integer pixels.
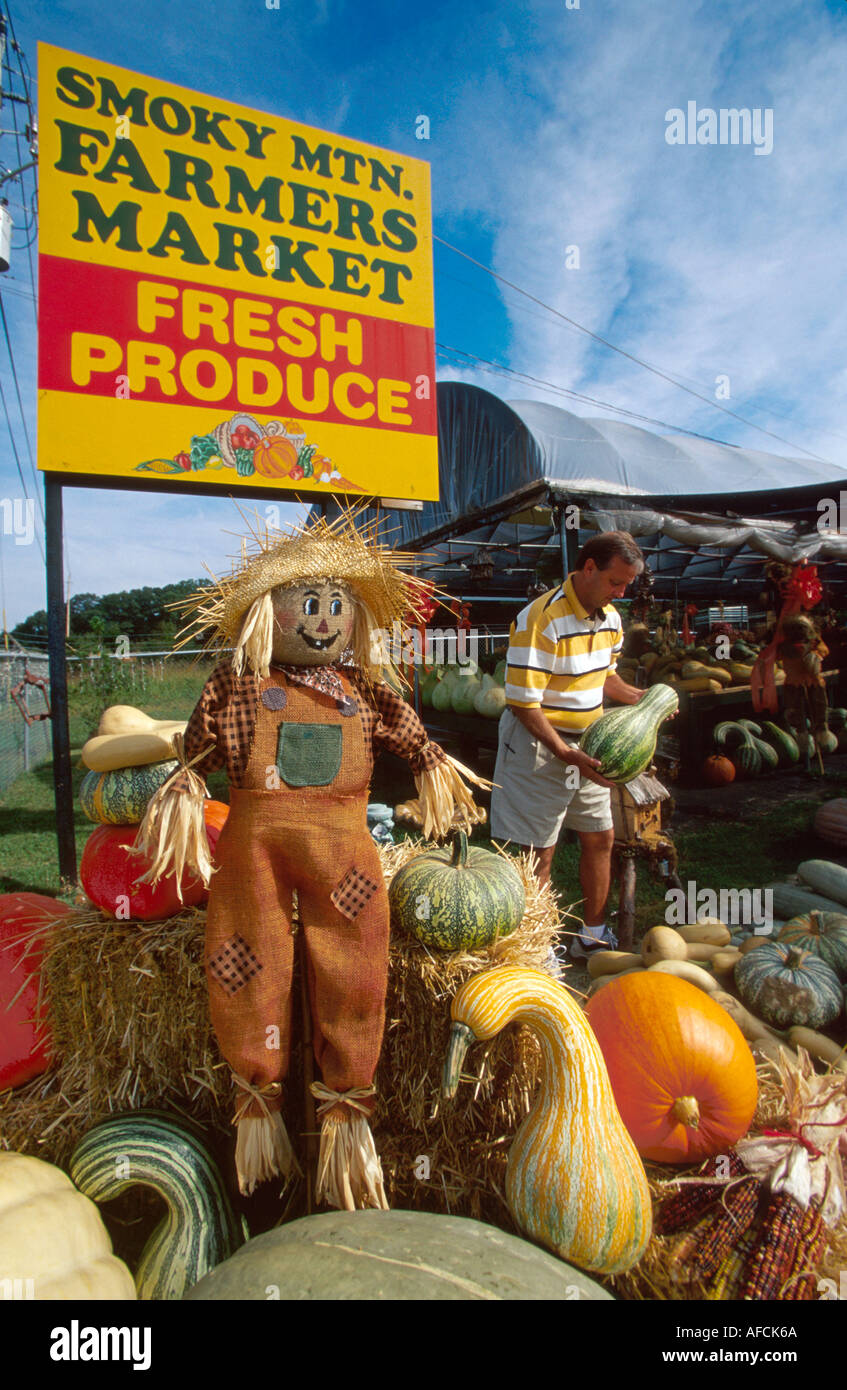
[
  {"x": 335, "y": 607},
  {"x": 311, "y": 607}
]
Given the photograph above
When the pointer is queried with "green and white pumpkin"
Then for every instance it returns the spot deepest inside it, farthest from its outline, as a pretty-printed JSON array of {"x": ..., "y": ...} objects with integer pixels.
[
  {"x": 154, "y": 1149},
  {"x": 624, "y": 739},
  {"x": 824, "y": 934},
  {"x": 120, "y": 797},
  {"x": 785, "y": 986},
  {"x": 458, "y": 898}
]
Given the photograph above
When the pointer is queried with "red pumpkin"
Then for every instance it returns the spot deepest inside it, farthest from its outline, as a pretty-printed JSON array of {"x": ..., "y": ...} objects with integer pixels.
[
  {"x": 107, "y": 873},
  {"x": 24, "y": 1043},
  {"x": 215, "y": 814},
  {"x": 682, "y": 1075},
  {"x": 718, "y": 771},
  {"x": 274, "y": 456}
]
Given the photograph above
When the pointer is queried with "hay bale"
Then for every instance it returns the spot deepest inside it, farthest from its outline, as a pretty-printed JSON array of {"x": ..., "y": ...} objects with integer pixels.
[
  {"x": 130, "y": 1023},
  {"x": 452, "y": 1158}
]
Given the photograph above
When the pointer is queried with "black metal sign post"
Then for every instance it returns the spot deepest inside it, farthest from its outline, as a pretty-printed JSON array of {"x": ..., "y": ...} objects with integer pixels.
[{"x": 62, "y": 780}]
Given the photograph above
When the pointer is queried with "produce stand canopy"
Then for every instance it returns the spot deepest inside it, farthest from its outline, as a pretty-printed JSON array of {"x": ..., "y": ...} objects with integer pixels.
[{"x": 707, "y": 514}]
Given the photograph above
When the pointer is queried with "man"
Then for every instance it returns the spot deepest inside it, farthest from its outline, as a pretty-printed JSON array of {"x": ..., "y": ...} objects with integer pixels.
[{"x": 562, "y": 655}]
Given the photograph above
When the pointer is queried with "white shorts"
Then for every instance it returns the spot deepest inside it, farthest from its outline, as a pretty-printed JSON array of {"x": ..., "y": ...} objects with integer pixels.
[{"x": 532, "y": 800}]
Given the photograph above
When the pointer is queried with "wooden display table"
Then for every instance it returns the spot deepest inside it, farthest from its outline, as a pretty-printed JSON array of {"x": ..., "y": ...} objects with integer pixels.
[{"x": 700, "y": 711}]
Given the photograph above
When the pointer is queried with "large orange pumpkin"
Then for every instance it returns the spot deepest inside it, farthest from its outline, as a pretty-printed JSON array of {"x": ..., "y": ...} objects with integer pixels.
[
  {"x": 683, "y": 1077},
  {"x": 274, "y": 456}
]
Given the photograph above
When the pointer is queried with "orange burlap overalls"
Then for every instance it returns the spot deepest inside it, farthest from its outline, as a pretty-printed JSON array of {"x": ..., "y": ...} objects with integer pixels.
[{"x": 299, "y": 822}]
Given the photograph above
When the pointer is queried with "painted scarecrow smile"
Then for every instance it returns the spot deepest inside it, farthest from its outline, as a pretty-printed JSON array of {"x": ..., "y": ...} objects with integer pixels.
[{"x": 319, "y": 644}]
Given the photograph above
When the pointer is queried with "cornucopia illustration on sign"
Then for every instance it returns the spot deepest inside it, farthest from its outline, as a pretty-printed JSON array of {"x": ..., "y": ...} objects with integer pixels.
[{"x": 275, "y": 450}]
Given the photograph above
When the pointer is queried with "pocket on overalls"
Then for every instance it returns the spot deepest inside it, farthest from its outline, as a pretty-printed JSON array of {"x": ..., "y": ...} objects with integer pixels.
[{"x": 309, "y": 755}]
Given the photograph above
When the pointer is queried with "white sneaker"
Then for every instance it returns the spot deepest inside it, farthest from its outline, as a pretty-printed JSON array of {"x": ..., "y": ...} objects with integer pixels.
[{"x": 584, "y": 946}]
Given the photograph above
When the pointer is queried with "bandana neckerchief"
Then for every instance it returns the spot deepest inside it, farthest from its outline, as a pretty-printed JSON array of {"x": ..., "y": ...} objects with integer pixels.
[{"x": 324, "y": 679}]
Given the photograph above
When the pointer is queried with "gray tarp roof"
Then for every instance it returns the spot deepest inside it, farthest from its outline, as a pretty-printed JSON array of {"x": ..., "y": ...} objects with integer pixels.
[
  {"x": 707, "y": 514},
  {"x": 500, "y": 459}
]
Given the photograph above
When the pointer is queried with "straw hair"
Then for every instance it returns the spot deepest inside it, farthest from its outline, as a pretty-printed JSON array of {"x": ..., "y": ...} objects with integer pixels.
[
  {"x": 255, "y": 642},
  {"x": 346, "y": 550}
]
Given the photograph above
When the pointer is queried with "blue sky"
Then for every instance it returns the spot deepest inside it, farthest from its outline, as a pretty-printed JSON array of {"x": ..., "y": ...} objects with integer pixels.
[{"x": 547, "y": 132}]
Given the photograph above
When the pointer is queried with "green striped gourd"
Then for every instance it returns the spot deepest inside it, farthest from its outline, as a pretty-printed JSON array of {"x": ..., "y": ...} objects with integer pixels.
[
  {"x": 624, "y": 739},
  {"x": 747, "y": 759},
  {"x": 768, "y": 755},
  {"x": 120, "y": 797},
  {"x": 787, "y": 986},
  {"x": 730, "y": 734},
  {"x": 784, "y": 744},
  {"x": 574, "y": 1180},
  {"x": 458, "y": 898},
  {"x": 824, "y": 934},
  {"x": 159, "y": 1151}
]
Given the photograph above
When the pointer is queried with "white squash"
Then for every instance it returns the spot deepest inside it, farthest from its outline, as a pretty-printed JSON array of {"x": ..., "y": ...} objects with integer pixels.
[{"x": 52, "y": 1235}]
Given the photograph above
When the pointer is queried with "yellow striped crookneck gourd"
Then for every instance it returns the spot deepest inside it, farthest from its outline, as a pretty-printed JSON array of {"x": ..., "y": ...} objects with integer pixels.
[{"x": 574, "y": 1180}]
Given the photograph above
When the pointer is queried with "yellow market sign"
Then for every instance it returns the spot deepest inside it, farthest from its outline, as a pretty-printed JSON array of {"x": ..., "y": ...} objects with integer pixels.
[{"x": 226, "y": 297}]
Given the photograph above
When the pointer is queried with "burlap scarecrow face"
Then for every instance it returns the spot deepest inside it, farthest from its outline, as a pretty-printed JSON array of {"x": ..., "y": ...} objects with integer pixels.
[{"x": 313, "y": 622}]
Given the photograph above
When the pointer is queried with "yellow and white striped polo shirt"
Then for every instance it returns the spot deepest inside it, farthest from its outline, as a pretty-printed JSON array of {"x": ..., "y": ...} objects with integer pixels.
[{"x": 559, "y": 656}]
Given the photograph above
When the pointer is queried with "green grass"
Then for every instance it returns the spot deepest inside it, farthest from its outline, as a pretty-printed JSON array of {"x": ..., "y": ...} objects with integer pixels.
[{"x": 28, "y": 852}]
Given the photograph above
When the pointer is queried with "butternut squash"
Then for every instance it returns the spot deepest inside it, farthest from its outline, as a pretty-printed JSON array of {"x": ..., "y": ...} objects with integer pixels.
[
  {"x": 711, "y": 931},
  {"x": 723, "y": 961},
  {"x": 823, "y": 1048},
  {"x": 126, "y": 719},
  {"x": 752, "y": 942},
  {"x": 662, "y": 943},
  {"x": 612, "y": 962},
  {"x": 687, "y": 970},
  {"x": 753, "y": 1028},
  {"x": 701, "y": 950},
  {"x": 602, "y": 980},
  {"x": 107, "y": 752}
]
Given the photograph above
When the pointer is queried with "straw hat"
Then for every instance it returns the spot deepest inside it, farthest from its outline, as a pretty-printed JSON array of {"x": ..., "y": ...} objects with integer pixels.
[{"x": 338, "y": 550}]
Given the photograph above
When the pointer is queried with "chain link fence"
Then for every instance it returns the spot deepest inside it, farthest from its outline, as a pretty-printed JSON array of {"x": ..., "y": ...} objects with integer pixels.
[
  {"x": 22, "y": 746},
  {"x": 166, "y": 685}
]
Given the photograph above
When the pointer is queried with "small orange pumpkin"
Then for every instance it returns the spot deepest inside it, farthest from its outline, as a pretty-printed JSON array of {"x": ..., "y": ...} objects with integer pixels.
[
  {"x": 718, "y": 771},
  {"x": 274, "y": 456},
  {"x": 215, "y": 813},
  {"x": 683, "y": 1077}
]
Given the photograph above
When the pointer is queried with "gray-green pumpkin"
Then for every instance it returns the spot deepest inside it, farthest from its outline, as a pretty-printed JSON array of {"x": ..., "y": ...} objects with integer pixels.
[
  {"x": 457, "y": 898},
  {"x": 120, "y": 797},
  {"x": 786, "y": 985}
]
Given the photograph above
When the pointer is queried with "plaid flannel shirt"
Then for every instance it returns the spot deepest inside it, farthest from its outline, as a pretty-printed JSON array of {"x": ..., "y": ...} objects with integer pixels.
[{"x": 225, "y": 716}]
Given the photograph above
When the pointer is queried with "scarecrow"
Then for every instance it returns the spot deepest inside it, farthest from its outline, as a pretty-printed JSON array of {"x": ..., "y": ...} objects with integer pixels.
[
  {"x": 296, "y": 716},
  {"x": 802, "y": 652}
]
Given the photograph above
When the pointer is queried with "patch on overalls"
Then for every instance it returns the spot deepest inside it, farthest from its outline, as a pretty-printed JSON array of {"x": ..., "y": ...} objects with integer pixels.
[
  {"x": 351, "y": 894},
  {"x": 234, "y": 964}
]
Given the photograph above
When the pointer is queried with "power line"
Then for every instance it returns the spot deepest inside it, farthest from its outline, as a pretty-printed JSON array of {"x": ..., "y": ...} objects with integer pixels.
[
  {"x": 631, "y": 357},
  {"x": 678, "y": 376},
  {"x": 500, "y": 369}
]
